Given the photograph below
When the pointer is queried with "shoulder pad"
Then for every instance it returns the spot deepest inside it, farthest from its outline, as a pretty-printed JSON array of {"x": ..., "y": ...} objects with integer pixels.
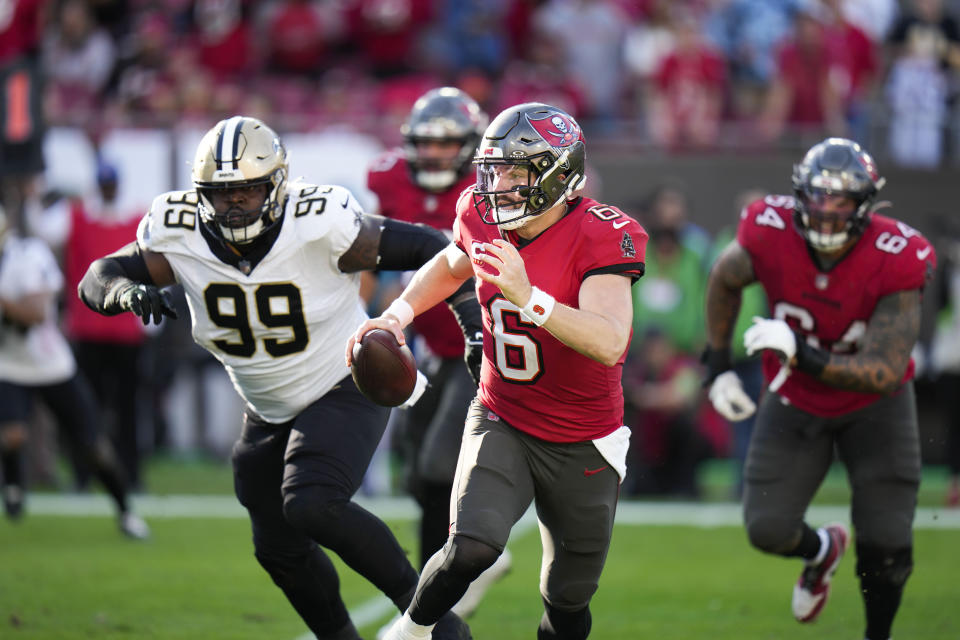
[
  {"x": 910, "y": 256},
  {"x": 172, "y": 217},
  {"x": 316, "y": 209}
]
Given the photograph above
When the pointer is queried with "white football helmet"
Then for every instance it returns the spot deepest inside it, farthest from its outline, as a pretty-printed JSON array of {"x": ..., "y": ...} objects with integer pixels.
[{"x": 240, "y": 152}]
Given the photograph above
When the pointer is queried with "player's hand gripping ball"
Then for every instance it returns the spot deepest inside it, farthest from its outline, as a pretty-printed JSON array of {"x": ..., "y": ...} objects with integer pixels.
[{"x": 382, "y": 369}]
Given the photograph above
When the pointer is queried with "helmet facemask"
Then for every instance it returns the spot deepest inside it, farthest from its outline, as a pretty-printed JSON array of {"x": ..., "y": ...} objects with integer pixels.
[
  {"x": 238, "y": 225},
  {"x": 544, "y": 141},
  {"x": 834, "y": 169},
  {"x": 825, "y": 230},
  {"x": 434, "y": 173},
  {"x": 443, "y": 115}
]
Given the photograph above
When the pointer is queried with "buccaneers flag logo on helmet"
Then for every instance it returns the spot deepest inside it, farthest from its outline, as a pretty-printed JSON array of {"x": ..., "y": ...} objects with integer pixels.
[{"x": 558, "y": 130}]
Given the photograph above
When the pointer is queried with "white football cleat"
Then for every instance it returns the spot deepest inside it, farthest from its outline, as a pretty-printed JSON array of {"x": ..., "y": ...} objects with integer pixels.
[
  {"x": 475, "y": 592},
  {"x": 382, "y": 631},
  {"x": 133, "y": 526},
  {"x": 813, "y": 588},
  {"x": 406, "y": 629}
]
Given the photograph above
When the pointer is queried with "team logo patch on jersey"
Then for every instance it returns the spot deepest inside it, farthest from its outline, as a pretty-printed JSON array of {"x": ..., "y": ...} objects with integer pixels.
[{"x": 626, "y": 246}]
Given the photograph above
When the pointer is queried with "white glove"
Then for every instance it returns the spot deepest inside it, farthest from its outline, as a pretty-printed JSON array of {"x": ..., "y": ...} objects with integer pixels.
[
  {"x": 418, "y": 389},
  {"x": 729, "y": 398},
  {"x": 771, "y": 334}
]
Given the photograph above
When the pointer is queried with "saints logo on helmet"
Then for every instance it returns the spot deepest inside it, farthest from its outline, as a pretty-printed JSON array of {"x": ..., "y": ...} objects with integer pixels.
[
  {"x": 834, "y": 167},
  {"x": 530, "y": 159},
  {"x": 447, "y": 116},
  {"x": 239, "y": 161}
]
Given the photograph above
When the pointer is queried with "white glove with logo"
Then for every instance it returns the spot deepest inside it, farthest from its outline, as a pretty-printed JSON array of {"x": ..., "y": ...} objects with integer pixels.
[
  {"x": 771, "y": 334},
  {"x": 729, "y": 398}
]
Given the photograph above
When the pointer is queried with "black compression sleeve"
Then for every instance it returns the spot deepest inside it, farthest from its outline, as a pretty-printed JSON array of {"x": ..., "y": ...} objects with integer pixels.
[
  {"x": 107, "y": 276},
  {"x": 465, "y": 307},
  {"x": 405, "y": 246}
]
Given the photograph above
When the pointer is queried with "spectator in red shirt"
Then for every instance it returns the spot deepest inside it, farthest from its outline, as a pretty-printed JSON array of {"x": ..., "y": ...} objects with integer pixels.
[
  {"x": 663, "y": 391},
  {"x": 295, "y": 36},
  {"x": 386, "y": 32},
  {"x": 860, "y": 58},
  {"x": 687, "y": 95},
  {"x": 223, "y": 37},
  {"x": 107, "y": 349},
  {"x": 806, "y": 95}
]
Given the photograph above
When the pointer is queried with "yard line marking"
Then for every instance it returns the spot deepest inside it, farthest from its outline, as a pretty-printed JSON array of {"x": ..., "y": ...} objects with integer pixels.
[{"x": 629, "y": 513}]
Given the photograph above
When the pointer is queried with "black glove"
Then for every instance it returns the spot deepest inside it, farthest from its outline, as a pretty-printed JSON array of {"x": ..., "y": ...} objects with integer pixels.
[
  {"x": 473, "y": 356},
  {"x": 146, "y": 300}
]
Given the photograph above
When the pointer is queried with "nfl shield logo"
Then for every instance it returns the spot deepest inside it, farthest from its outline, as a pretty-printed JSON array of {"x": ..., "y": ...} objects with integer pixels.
[{"x": 822, "y": 281}]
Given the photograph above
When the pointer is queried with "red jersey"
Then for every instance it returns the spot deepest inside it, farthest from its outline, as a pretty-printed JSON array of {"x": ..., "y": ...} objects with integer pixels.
[
  {"x": 533, "y": 381},
  {"x": 831, "y": 308},
  {"x": 401, "y": 199},
  {"x": 88, "y": 240}
]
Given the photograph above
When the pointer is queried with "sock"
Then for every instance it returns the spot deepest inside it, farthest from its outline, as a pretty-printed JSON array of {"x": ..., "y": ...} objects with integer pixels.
[
  {"x": 824, "y": 547},
  {"x": 10, "y": 460},
  {"x": 811, "y": 545},
  {"x": 411, "y": 629},
  {"x": 881, "y": 600}
]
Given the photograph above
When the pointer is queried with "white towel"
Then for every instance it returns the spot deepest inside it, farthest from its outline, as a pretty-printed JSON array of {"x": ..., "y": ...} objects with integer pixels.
[{"x": 613, "y": 447}]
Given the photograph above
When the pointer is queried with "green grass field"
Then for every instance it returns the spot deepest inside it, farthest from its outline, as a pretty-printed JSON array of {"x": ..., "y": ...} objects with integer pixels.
[{"x": 64, "y": 577}]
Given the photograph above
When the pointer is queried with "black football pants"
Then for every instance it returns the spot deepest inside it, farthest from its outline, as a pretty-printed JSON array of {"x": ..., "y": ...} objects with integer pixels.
[
  {"x": 791, "y": 452},
  {"x": 296, "y": 480}
]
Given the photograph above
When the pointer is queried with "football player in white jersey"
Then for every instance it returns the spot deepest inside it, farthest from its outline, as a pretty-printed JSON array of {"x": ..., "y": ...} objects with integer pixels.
[
  {"x": 270, "y": 271},
  {"x": 36, "y": 361}
]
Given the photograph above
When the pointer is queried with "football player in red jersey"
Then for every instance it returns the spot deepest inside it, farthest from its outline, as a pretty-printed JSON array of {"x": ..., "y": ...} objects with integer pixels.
[
  {"x": 420, "y": 183},
  {"x": 554, "y": 271},
  {"x": 844, "y": 285}
]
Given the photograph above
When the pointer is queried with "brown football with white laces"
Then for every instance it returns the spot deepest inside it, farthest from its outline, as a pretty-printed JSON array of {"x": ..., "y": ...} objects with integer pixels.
[{"x": 383, "y": 369}]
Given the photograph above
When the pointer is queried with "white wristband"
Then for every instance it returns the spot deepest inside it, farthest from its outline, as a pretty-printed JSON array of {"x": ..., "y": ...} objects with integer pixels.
[
  {"x": 539, "y": 307},
  {"x": 401, "y": 310}
]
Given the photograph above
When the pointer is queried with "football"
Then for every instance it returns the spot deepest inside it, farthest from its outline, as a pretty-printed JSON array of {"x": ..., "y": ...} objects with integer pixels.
[{"x": 382, "y": 369}]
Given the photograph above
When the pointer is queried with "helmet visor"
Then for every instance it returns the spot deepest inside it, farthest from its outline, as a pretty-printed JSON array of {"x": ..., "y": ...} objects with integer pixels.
[{"x": 506, "y": 185}]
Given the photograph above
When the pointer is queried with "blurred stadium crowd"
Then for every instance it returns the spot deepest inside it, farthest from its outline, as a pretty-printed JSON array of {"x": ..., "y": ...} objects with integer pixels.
[
  {"x": 677, "y": 76},
  {"x": 691, "y": 73}
]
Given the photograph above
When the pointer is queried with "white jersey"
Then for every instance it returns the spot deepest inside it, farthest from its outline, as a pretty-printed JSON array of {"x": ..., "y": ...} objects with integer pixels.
[
  {"x": 40, "y": 355},
  {"x": 280, "y": 329}
]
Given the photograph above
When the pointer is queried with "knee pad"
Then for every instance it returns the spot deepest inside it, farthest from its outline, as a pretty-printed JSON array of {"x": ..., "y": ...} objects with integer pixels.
[
  {"x": 773, "y": 534},
  {"x": 884, "y": 566},
  {"x": 468, "y": 558},
  {"x": 560, "y": 624}
]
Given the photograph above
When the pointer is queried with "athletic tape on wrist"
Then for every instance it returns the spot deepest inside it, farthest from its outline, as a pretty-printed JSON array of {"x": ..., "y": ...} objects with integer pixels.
[
  {"x": 539, "y": 307},
  {"x": 401, "y": 310}
]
